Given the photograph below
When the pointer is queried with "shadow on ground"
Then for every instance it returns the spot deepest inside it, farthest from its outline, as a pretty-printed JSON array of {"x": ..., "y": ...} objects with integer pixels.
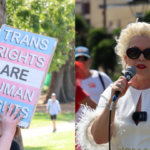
[
  {"x": 47, "y": 148},
  {"x": 34, "y": 148},
  {"x": 63, "y": 117}
]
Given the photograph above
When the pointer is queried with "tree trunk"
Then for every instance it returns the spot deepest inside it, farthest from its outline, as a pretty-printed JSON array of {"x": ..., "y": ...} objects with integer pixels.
[
  {"x": 3, "y": 21},
  {"x": 2, "y": 12},
  {"x": 62, "y": 83}
]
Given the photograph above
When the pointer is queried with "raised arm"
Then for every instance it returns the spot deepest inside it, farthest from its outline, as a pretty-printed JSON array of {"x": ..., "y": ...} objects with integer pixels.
[
  {"x": 99, "y": 129},
  {"x": 8, "y": 126},
  {"x": 88, "y": 101}
]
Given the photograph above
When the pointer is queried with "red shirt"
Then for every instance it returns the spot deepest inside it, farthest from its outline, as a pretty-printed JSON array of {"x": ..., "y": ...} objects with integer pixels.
[{"x": 80, "y": 95}]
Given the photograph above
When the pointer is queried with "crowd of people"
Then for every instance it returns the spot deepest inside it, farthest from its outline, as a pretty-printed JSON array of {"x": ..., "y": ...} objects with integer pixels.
[
  {"x": 94, "y": 92},
  {"x": 90, "y": 86}
]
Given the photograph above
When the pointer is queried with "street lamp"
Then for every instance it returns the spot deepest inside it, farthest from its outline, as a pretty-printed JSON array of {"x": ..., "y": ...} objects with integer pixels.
[{"x": 138, "y": 7}]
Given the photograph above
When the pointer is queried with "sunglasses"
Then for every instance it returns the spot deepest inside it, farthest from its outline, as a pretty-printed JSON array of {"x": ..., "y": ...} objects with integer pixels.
[
  {"x": 134, "y": 53},
  {"x": 84, "y": 58}
]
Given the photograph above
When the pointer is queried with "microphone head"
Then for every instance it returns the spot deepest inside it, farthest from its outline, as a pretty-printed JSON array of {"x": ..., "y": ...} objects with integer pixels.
[
  {"x": 130, "y": 72},
  {"x": 131, "y": 69}
]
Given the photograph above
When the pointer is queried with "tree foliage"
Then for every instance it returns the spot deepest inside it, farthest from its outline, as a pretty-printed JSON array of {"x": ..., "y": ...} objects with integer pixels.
[
  {"x": 116, "y": 32},
  {"x": 82, "y": 29},
  {"x": 81, "y": 25},
  {"x": 95, "y": 36},
  {"x": 147, "y": 17},
  {"x": 53, "y": 18},
  {"x": 101, "y": 45},
  {"x": 103, "y": 55}
]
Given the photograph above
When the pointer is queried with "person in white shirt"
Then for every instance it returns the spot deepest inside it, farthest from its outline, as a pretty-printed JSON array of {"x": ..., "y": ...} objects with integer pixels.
[
  {"x": 127, "y": 132},
  {"x": 95, "y": 82},
  {"x": 53, "y": 108}
]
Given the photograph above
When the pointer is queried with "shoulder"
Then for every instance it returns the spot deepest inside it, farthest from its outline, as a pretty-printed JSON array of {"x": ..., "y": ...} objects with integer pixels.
[
  {"x": 106, "y": 94},
  {"x": 94, "y": 73},
  {"x": 105, "y": 76},
  {"x": 50, "y": 100},
  {"x": 57, "y": 101}
]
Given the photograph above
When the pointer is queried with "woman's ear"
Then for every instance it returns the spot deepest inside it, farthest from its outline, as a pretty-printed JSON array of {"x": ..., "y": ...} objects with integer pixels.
[{"x": 125, "y": 58}]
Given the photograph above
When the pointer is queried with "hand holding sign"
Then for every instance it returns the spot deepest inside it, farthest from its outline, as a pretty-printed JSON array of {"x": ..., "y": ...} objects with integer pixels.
[{"x": 9, "y": 120}]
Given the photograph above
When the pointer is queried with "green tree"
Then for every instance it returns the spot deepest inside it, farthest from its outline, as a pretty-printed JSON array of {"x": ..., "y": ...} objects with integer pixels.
[
  {"x": 95, "y": 36},
  {"x": 103, "y": 55},
  {"x": 147, "y": 17},
  {"x": 82, "y": 29},
  {"x": 101, "y": 45},
  {"x": 116, "y": 32},
  {"x": 2, "y": 12},
  {"x": 80, "y": 24},
  {"x": 54, "y": 18}
]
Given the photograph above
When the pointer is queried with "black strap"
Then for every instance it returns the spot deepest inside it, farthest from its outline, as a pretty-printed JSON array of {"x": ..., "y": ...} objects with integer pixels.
[{"x": 100, "y": 77}]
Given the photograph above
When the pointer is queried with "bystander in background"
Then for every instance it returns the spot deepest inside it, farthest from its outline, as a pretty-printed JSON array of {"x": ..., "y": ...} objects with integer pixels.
[
  {"x": 53, "y": 108},
  {"x": 95, "y": 82}
]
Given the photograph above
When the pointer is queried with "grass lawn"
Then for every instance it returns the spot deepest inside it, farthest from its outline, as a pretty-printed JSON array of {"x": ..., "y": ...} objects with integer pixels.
[
  {"x": 54, "y": 141},
  {"x": 43, "y": 119}
]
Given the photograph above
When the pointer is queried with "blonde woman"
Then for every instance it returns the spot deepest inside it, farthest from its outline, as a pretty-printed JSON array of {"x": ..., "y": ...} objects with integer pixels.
[{"x": 133, "y": 48}]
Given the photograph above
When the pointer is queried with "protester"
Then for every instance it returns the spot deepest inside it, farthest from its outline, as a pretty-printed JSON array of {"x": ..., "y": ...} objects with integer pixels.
[
  {"x": 95, "y": 82},
  {"x": 133, "y": 47},
  {"x": 81, "y": 97},
  {"x": 53, "y": 108},
  {"x": 8, "y": 128}
]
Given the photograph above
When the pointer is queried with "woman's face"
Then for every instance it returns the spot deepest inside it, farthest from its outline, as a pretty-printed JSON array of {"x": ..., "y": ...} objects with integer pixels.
[{"x": 141, "y": 64}]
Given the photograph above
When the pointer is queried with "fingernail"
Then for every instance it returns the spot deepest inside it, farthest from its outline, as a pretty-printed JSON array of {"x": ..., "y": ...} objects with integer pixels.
[
  {"x": 123, "y": 91},
  {"x": 127, "y": 82},
  {"x": 131, "y": 82}
]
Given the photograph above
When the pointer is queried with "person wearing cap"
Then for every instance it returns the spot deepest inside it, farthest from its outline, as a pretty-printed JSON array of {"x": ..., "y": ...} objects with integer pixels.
[
  {"x": 81, "y": 97},
  {"x": 95, "y": 82},
  {"x": 53, "y": 108}
]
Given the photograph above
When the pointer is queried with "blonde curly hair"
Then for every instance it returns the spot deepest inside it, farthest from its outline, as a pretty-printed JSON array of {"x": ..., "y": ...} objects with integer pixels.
[{"x": 132, "y": 29}]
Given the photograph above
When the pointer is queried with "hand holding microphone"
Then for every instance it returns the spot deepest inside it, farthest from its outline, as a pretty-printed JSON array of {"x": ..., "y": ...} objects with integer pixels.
[{"x": 121, "y": 85}]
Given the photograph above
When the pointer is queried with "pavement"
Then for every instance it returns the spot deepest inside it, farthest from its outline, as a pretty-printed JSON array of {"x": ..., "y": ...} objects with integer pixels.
[{"x": 40, "y": 131}]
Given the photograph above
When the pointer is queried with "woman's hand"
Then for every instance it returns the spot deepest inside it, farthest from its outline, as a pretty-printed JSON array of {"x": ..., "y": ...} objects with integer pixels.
[
  {"x": 120, "y": 85},
  {"x": 9, "y": 120}
]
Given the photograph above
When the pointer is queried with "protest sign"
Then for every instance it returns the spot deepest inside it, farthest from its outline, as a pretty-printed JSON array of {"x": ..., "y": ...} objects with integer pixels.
[{"x": 24, "y": 61}]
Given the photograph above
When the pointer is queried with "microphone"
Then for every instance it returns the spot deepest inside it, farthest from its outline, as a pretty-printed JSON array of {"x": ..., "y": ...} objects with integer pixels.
[{"x": 129, "y": 73}]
